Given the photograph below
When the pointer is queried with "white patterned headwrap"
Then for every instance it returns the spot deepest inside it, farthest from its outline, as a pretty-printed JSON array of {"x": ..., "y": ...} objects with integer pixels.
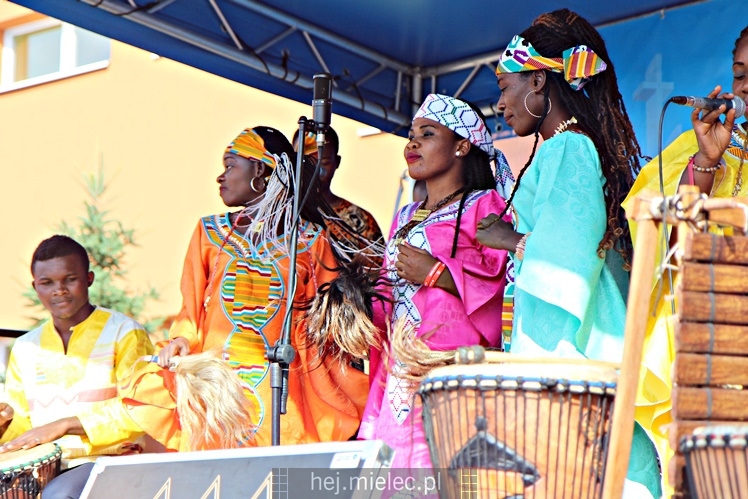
[{"x": 459, "y": 117}]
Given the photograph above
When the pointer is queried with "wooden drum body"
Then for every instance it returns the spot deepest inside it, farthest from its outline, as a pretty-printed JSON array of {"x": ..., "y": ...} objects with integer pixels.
[
  {"x": 24, "y": 473},
  {"x": 533, "y": 430},
  {"x": 717, "y": 461}
]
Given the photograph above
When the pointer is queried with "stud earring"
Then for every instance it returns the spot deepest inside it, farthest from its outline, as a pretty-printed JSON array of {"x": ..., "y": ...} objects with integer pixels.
[{"x": 457, "y": 153}]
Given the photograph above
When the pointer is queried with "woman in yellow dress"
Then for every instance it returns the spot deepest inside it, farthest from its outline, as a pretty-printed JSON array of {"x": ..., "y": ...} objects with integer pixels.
[{"x": 712, "y": 156}]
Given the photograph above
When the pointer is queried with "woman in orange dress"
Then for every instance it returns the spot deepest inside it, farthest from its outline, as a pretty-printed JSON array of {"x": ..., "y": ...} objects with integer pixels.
[{"x": 234, "y": 287}]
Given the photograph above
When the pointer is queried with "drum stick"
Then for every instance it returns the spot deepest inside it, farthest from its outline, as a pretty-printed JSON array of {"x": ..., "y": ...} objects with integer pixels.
[{"x": 622, "y": 427}]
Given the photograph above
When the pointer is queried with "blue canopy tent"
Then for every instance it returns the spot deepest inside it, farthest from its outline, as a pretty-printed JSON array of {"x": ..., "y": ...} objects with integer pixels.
[{"x": 385, "y": 54}]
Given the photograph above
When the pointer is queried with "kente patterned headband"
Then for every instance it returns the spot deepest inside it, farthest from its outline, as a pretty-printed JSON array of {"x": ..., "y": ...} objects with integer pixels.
[
  {"x": 310, "y": 143},
  {"x": 251, "y": 146},
  {"x": 459, "y": 117},
  {"x": 578, "y": 63}
]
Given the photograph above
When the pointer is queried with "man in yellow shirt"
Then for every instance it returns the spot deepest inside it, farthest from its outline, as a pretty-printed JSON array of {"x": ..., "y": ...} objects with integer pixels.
[{"x": 62, "y": 377}]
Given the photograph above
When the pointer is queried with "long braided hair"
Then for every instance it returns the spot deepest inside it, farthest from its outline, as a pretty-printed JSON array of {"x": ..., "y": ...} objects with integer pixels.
[
  {"x": 536, "y": 133},
  {"x": 601, "y": 113},
  {"x": 476, "y": 174}
]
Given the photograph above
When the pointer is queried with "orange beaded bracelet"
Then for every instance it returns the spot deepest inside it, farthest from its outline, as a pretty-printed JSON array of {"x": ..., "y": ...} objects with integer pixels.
[{"x": 434, "y": 274}]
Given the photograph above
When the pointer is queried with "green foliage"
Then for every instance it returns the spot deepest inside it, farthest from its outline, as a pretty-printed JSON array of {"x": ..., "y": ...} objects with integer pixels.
[{"x": 106, "y": 241}]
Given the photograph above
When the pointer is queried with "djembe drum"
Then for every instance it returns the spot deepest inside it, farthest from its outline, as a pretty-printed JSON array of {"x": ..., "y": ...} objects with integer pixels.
[
  {"x": 717, "y": 461},
  {"x": 536, "y": 429},
  {"x": 24, "y": 473}
]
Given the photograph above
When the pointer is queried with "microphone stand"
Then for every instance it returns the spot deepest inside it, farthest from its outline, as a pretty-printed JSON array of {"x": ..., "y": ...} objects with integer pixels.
[
  {"x": 282, "y": 354},
  {"x": 400, "y": 190}
]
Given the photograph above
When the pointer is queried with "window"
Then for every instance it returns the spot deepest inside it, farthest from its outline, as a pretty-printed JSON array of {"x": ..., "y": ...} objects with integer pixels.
[{"x": 48, "y": 50}]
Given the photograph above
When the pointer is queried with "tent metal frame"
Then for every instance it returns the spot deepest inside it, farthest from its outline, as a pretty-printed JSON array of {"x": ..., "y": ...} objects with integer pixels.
[{"x": 397, "y": 104}]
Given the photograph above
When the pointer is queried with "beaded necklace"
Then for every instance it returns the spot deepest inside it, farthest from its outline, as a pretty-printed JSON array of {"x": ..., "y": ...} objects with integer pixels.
[
  {"x": 737, "y": 148},
  {"x": 561, "y": 128},
  {"x": 737, "y": 140},
  {"x": 422, "y": 214}
]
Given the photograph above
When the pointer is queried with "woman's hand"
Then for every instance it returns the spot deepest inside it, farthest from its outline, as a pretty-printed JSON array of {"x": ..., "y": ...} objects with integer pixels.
[
  {"x": 712, "y": 135},
  {"x": 496, "y": 233},
  {"x": 178, "y": 346},
  {"x": 413, "y": 264}
]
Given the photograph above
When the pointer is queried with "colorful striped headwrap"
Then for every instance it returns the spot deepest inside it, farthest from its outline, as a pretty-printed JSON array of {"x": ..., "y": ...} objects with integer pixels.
[
  {"x": 310, "y": 143},
  {"x": 459, "y": 117},
  {"x": 251, "y": 146},
  {"x": 578, "y": 63}
]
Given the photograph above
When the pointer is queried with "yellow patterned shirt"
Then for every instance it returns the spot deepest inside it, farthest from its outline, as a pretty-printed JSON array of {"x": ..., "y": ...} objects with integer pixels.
[{"x": 44, "y": 383}]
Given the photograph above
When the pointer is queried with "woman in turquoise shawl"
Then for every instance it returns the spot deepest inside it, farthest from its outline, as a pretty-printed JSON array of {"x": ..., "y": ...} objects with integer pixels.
[{"x": 570, "y": 237}]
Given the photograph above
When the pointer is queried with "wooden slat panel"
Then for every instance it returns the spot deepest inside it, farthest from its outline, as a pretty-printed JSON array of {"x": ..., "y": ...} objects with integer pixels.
[
  {"x": 698, "y": 337},
  {"x": 716, "y": 249},
  {"x": 706, "y": 369},
  {"x": 719, "y": 308},
  {"x": 717, "y": 278},
  {"x": 725, "y": 404}
]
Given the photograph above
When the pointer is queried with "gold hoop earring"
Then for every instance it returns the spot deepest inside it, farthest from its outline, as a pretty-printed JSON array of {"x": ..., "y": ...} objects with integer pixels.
[
  {"x": 252, "y": 185},
  {"x": 550, "y": 106}
]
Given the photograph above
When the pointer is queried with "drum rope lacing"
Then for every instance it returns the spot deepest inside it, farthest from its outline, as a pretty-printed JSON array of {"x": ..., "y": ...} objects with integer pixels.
[
  {"x": 673, "y": 208},
  {"x": 694, "y": 213},
  {"x": 27, "y": 478}
]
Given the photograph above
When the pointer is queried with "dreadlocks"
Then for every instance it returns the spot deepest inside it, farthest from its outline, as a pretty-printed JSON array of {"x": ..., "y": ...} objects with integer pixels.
[
  {"x": 601, "y": 113},
  {"x": 534, "y": 147}
]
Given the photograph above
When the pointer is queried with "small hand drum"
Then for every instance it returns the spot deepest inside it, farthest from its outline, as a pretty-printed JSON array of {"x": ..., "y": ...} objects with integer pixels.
[
  {"x": 24, "y": 473},
  {"x": 717, "y": 461},
  {"x": 532, "y": 430}
]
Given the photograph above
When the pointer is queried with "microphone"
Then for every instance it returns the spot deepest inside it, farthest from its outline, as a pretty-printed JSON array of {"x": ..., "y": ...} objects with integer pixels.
[
  {"x": 322, "y": 105},
  {"x": 711, "y": 104}
]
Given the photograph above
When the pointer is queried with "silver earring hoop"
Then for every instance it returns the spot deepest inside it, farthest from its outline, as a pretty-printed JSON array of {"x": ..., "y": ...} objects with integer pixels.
[
  {"x": 550, "y": 106},
  {"x": 252, "y": 185}
]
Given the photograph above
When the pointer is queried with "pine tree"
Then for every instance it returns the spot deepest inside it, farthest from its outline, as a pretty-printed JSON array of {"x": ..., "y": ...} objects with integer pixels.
[{"x": 106, "y": 241}]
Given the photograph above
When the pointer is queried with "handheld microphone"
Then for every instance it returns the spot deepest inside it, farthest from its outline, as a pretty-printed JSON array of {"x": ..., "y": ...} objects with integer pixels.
[
  {"x": 322, "y": 105},
  {"x": 711, "y": 104}
]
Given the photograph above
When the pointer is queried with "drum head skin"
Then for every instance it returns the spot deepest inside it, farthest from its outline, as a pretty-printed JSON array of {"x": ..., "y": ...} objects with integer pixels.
[
  {"x": 526, "y": 370},
  {"x": 25, "y": 458},
  {"x": 24, "y": 473}
]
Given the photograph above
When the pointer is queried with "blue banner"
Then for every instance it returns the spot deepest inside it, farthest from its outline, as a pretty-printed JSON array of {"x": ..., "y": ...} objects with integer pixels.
[{"x": 683, "y": 51}]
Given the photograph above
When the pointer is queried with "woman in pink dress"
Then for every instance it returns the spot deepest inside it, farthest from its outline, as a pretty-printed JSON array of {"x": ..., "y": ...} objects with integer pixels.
[{"x": 443, "y": 282}]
